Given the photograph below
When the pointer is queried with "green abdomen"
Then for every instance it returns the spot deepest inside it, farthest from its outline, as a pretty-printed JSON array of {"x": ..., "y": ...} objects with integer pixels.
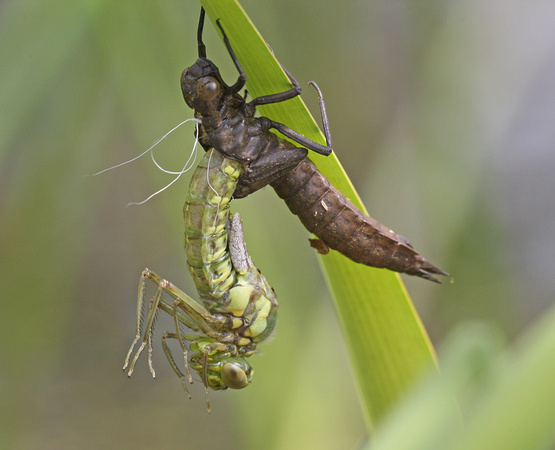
[{"x": 206, "y": 212}]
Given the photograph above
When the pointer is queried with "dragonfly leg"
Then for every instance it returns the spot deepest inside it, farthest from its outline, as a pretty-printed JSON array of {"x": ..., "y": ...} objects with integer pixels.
[
  {"x": 179, "y": 337},
  {"x": 184, "y": 380},
  {"x": 262, "y": 100},
  {"x": 302, "y": 140},
  {"x": 242, "y": 76},
  {"x": 205, "y": 378},
  {"x": 201, "y": 46},
  {"x": 206, "y": 352},
  {"x": 215, "y": 326},
  {"x": 138, "y": 323},
  {"x": 325, "y": 121},
  {"x": 193, "y": 315},
  {"x": 152, "y": 311},
  {"x": 280, "y": 96}
]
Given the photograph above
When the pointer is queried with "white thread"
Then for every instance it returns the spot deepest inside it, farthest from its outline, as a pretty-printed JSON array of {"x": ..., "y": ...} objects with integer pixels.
[
  {"x": 185, "y": 168},
  {"x": 151, "y": 147},
  {"x": 192, "y": 156},
  {"x": 208, "y": 171},
  {"x": 215, "y": 192}
]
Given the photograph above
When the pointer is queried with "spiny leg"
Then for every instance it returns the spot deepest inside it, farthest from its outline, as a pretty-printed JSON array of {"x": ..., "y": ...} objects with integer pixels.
[
  {"x": 205, "y": 370},
  {"x": 193, "y": 315},
  {"x": 139, "y": 317},
  {"x": 201, "y": 46},
  {"x": 185, "y": 311},
  {"x": 242, "y": 77},
  {"x": 151, "y": 314},
  {"x": 206, "y": 323},
  {"x": 147, "y": 336},
  {"x": 149, "y": 345},
  {"x": 179, "y": 337},
  {"x": 302, "y": 140},
  {"x": 180, "y": 374},
  {"x": 216, "y": 346}
]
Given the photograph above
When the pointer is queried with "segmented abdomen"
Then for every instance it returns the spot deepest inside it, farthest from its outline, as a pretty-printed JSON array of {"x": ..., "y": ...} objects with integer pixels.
[
  {"x": 340, "y": 225},
  {"x": 206, "y": 212},
  {"x": 226, "y": 279}
]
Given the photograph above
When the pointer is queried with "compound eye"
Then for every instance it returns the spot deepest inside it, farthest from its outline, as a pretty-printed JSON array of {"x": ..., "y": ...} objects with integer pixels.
[
  {"x": 234, "y": 377},
  {"x": 210, "y": 89}
]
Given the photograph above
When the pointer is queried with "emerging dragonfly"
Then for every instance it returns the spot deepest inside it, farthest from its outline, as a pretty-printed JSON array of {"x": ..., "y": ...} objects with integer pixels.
[{"x": 238, "y": 309}]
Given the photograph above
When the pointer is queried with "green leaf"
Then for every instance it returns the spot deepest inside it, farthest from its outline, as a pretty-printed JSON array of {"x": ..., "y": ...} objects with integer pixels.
[
  {"x": 506, "y": 396},
  {"x": 387, "y": 343},
  {"x": 518, "y": 408}
]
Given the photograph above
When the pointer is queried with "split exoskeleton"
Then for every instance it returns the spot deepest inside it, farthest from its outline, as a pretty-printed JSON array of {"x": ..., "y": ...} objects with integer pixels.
[{"x": 238, "y": 307}]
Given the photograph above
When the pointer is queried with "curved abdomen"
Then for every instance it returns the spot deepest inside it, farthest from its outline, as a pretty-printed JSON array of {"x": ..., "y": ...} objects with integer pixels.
[
  {"x": 225, "y": 277},
  {"x": 206, "y": 212},
  {"x": 340, "y": 225}
]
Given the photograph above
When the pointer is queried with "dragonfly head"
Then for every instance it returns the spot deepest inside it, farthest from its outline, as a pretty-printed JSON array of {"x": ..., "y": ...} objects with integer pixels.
[
  {"x": 202, "y": 86},
  {"x": 222, "y": 370}
]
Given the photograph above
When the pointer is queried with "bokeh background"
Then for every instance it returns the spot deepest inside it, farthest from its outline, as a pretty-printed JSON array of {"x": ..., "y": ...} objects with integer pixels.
[{"x": 442, "y": 112}]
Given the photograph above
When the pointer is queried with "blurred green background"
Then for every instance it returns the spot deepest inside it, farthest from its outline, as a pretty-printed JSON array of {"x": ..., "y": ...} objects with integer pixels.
[{"x": 442, "y": 113}]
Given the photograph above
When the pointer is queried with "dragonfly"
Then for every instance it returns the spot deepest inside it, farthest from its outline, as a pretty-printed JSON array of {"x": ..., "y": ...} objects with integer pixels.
[
  {"x": 238, "y": 307},
  {"x": 229, "y": 124}
]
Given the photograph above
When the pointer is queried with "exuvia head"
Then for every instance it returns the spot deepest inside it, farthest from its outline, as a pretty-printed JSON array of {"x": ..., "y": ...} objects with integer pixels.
[{"x": 202, "y": 86}]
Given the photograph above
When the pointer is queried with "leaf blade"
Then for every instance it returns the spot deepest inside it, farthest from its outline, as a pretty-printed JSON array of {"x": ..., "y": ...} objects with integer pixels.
[{"x": 373, "y": 305}]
